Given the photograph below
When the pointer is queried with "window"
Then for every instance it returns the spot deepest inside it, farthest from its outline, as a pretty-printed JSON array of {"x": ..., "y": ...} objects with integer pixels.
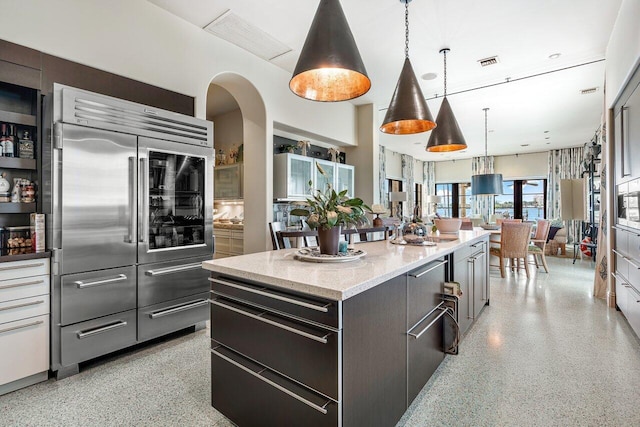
[
  {"x": 455, "y": 199},
  {"x": 523, "y": 198}
]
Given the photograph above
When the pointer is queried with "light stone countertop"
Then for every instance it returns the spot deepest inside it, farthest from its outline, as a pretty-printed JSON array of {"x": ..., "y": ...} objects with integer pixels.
[
  {"x": 337, "y": 281},
  {"x": 227, "y": 226}
]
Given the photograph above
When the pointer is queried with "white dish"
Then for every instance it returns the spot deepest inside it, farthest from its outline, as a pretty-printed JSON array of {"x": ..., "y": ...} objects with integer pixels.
[{"x": 314, "y": 255}]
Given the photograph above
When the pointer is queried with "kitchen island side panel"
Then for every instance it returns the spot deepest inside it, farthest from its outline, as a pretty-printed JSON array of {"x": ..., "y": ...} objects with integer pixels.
[{"x": 375, "y": 355}]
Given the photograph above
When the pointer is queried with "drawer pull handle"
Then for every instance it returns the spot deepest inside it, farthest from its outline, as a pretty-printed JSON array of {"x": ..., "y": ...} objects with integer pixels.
[
  {"x": 322, "y": 340},
  {"x": 19, "y": 267},
  {"x": 16, "y": 285},
  {"x": 176, "y": 309},
  {"x": 171, "y": 270},
  {"x": 26, "y": 325},
  {"x": 118, "y": 278},
  {"x": 107, "y": 328},
  {"x": 26, "y": 304},
  {"x": 436, "y": 308},
  {"x": 633, "y": 264},
  {"x": 422, "y": 273},
  {"x": 271, "y": 383},
  {"x": 322, "y": 308}
]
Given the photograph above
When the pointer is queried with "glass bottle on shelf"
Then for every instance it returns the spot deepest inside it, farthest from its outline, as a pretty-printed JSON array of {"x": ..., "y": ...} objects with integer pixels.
[
  {"x": 3, "y": 138},
  {"x": 26, "y": 148},
  {"x": 8, "y": 142}
]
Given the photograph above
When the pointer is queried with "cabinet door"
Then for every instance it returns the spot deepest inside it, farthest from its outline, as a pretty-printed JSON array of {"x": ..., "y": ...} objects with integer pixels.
[
  {"x": 462, "y": 270},
  {"x": 299, "y": 176},
  {"x": 480, "y": 294},
  {"x": 632, "y": 311},
  {"x": 345, "y": 179},
  {"x": 227, "y": 182},
  {"x": 631, "y": 133},
  {"x": 320, "y": 182}
]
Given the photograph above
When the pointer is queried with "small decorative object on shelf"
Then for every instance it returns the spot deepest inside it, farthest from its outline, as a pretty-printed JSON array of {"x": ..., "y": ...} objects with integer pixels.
[
  {"x": 334, "y": 152},
  {"x": 26, "y": 147},
  {"x": 329, "y": 210},
  {"x": 304, "y": 146}
]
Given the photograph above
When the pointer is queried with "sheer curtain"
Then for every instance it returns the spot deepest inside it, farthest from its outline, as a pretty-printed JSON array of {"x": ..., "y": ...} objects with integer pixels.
[
  {"x": 482, "y": 205},
  {"x": 407, "y": 175},
  {"x": 382, "y": 177},
  {"x": 563, "y": 164}
]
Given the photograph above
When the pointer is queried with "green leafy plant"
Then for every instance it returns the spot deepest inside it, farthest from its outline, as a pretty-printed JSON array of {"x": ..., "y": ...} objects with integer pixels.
[{"x": 328, "y": 209}]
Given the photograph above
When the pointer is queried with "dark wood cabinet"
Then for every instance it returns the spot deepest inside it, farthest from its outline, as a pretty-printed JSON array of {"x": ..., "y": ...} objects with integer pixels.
[{"x": 478, "y": 265}]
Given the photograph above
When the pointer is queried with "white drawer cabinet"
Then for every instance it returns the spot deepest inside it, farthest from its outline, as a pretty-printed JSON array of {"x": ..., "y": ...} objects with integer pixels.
[
  {"x": 24, "y": 323},
  {"x": 229, "y": 242}
]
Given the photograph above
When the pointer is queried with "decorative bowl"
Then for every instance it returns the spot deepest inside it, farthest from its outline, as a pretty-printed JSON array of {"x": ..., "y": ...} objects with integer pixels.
[
  {"x": 448, "y": 225},
  {"x": 415, "y": 229}
]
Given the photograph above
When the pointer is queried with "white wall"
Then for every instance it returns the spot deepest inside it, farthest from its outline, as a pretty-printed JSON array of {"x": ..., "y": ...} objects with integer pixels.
[
  {"x": 453, "y": 171},
  {"x": 623, "y": 50},
  {"x": 227, "y": 129},
  {"x": 533, "y": 165},
  {"x": 393, "y": 164}
]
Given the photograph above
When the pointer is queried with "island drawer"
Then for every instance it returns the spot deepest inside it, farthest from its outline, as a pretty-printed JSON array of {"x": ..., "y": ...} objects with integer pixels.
[
  {"x": 424, "y": 289},
  {"x": 86, "y": 296},
  {"x": 307, "y": 353},
  {"x": 250, "y": 394},
  {"x": 86, "y": 340},
  {"x": 170, "y": 316},
  {"x": 310, "y": 308}
]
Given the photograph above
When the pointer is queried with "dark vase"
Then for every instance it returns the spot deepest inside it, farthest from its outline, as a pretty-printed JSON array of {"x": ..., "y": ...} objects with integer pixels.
[{"x": 328, "y": 240}]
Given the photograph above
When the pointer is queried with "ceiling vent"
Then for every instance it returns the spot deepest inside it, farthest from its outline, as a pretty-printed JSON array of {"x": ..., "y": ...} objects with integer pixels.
[
  {"x": 234, "y": 29},
  {"x": 588, "y": 91},
  {"x": 488, "y": 61}
]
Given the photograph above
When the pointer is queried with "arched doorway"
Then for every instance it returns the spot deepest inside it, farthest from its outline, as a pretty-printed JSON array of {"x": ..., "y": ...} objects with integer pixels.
[{"x": 257, "y": 155}]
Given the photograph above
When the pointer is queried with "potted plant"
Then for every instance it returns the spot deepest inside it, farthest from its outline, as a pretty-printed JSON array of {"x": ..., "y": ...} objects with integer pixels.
[{"x": 328, "y": 211}]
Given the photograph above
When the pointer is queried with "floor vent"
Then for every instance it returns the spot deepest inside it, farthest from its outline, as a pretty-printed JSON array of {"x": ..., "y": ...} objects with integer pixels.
[
  {"x": 488, "y": 61},
  {"x": 234, "y": 29}
]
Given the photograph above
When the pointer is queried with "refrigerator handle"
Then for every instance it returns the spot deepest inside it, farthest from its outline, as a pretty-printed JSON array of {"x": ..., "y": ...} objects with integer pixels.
[
  {"x": 132, "y": 200},
  {"x": 144, "y": 215}
]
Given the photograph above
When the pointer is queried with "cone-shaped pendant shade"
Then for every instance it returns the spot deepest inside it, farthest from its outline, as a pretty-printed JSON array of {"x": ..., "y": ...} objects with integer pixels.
[
  {"x": 447, "y": 136},
  {"x": 330, "y": 67},
  {"x": 408, "y": 112}
]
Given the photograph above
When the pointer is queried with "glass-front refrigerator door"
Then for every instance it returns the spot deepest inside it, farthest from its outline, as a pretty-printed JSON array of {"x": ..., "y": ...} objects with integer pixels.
[{"x": 176, "y": 201}]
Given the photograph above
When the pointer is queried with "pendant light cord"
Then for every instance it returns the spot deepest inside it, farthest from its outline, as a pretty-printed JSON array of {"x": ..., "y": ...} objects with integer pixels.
[
  {"x": 406, "y": 29},
  {"x": 445, "y": 72},
  {"x": 485, "y": 139}
]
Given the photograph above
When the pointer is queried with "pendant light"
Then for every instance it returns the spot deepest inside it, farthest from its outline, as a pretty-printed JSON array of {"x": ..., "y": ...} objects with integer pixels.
[
  {"x": 408, "y": 112},
  {"x": 329, "y": 68},
  {"x": 487, "y": 183},
  {"x": 447, "y": 136}
]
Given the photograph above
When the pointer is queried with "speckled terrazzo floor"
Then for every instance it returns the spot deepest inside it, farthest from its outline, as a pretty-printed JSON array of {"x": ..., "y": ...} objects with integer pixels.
[{"x": 544, "y": 353}]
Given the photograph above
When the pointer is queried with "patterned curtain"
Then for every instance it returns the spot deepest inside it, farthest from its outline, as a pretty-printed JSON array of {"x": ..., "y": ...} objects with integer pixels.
[
  {"x": 482, "y": 205},
  {"x": 407, "y": 174},
  {"x": 428, "y": 185},
  {"x": 382, "y": 177},
  {"x": 563, "y": 164},
  {"x": 600, "y": 283}
]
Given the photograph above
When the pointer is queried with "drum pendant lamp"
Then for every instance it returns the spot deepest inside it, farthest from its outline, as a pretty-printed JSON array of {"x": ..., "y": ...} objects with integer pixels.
[
  {"x": 329, "y": 68},
  {"x": 447, "y": 136},
  {"x": 487, "y": 183},
  {"x": 408, "y": 112}
]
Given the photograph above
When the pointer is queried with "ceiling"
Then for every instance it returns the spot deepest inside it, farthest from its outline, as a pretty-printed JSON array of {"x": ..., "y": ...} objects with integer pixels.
[{"x": 535, "y": 102}]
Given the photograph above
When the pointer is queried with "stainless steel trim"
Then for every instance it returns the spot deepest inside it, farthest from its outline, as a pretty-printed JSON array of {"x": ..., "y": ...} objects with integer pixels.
[
  {"x": 13, "y": 328},
  {"x": 635, "y": 291},
  {"x": 323, "y": 308},
  {"x": 171, "y": 270},
  {"x": 118, "y": 324},
  {"x": 176, "y": 309},
  {"x": 20, "y": 267},
  {"x": 142, "y": 195},
  {"x": 619, "y": 253},
  {"x": 322, "y": 339},
  {"x": 626, "y": 162},
  {"x": 443, "y": 311},
  {"x": 119, "y": 278},
  {"x": 17, "y": 285},
  {"x": 620, "y": 278},
  {"x": 625, "y": 230},
  {"x": 271, "y": 383},
  {"x": 422, "y": 273},
  {"x": 433, "y": 310},
  {"x": 632, "y": 263},
  {"x": 25, "y": 304},
  {"x": 132, "y": 200}
]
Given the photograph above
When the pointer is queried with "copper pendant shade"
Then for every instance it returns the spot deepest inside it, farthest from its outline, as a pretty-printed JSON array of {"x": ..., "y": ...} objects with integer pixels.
[
  {"x": 447, "y": 136},
  {"x": 408, "y": 112},
  {"x": 330, "y": 68}
]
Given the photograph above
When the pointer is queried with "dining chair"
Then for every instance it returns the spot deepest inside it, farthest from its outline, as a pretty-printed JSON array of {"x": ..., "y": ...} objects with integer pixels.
[
  {"x": 538, "y": 243},
  {"x": 500, "y": 221},
  {"x": 277, "y": 242},
  {"x": 514, "y": 241}
]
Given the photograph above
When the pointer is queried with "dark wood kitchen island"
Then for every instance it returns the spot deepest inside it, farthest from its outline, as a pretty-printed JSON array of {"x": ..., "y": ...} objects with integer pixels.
[{"x": 334, "y": 344}]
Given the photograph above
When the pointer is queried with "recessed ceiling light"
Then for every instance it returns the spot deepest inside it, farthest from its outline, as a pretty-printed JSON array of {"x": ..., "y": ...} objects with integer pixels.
[
  {"x": 546, "y": 131},
  {"x": 417, "y": 143},
  {"x": 429, "y": 76},
  {"x": 554, "y": 56},
  {"x": 488, "y": 61},
  {"x": 524, "y": 145},
  {"x": 546, "y": 137},
  {"x": 548, "y": 143}
]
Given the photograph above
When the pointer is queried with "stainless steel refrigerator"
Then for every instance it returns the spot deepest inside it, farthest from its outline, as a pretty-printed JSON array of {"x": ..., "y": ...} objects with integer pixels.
[{"x": 129, "y": 194}]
